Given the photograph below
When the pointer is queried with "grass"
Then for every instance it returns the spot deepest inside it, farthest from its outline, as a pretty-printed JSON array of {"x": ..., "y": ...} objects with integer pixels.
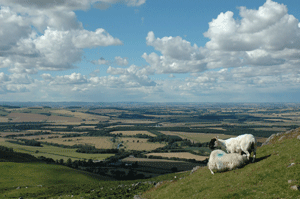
[
  {"x": 158, "y": 164},
  {"x": 266, "y": 178},
  {"x": 39, "y": 180},
  {"x": 42, "y": 180}
]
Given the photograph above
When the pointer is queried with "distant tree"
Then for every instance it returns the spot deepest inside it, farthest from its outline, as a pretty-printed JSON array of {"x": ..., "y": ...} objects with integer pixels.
[
  {"x": 174, "y": 169},
  {"x": 75, "y": 164},
  {"x": 61, "y": 161},
  {"x": 90, "y": 162},
  {"x": 69, "y": 162},
  {"x": 135, "y": 164}
]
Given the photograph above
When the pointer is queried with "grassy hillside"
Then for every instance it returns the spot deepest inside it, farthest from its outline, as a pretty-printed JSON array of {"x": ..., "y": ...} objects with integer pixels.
[
  {"x": 20, "y": 177},
  {"x": 266, "y": 178},
  {"x": 40, "y": 180}
]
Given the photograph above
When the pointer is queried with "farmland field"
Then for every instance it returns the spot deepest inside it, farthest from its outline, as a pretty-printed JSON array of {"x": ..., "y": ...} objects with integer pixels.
[
  {"x": 196, "y": 137},
  {"x": 27, "y": 117},
  {"x": 162, "y": 164},
  {"x": 80, "y": 115},
  {"x": 131, "y": 121},
  {"x": 139, "y": 144},
  {"x": 133, "y": 133},
  {"x": 56, "y": 153},
  {"x": 184, "y": 155},
  {"x": 98, "y": 142}
]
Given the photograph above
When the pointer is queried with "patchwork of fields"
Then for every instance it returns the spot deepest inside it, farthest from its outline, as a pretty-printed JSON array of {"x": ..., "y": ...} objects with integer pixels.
[{"x": 123, "y": 124}]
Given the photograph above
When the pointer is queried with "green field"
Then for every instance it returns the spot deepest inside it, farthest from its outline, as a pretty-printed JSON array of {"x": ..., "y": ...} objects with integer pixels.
[{"x": 56, "y": 153}]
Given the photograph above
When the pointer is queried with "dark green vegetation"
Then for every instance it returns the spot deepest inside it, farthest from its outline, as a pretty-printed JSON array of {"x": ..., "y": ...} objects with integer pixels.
[
  {"x": 266, "y": 178},
  {"x": 26, "y": 142}
]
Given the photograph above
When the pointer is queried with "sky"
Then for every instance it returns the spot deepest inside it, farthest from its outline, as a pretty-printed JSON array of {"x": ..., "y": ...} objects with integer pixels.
[{"x": 149, "y": 51}]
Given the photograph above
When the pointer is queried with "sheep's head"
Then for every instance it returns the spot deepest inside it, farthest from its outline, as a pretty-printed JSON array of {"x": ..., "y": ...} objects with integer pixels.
[{"x": 213, "y": 143}]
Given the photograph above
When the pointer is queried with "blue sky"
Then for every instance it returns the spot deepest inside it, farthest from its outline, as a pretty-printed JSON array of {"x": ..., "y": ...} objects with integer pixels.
[{"x": 150, "y": 51}]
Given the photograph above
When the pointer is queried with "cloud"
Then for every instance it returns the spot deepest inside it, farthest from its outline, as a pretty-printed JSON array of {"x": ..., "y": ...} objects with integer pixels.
[
  {"x": 89, "y": 39},
  {"x": 4, "y": 77},
  {"x": 131, "y": 76},
  {"x": 270, "y": 28},
  {"x": 54, "y": 50},
  {"x": 67, "y": 4},
  {"x": 47, "y": 77},
  {"x": 102, "y": 5},
  {"x": 117, "y": 61},
  {"x": 178, "y": 56},
  {"x": 13, "y": 28},
  {"x": 247, "y": 57},
  {"x": 101, "y": 61},
  {"x": 94, "y": 73},
  {"x": 174, "y": 47},
  {"x": 74, "y": 78},
  {"x": 46, "y": 35},
  {"x": 121, "y": 61}
]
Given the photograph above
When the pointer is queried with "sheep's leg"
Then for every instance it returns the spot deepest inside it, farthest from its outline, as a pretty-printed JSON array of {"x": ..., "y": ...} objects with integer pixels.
[
  {"x": 254, "y": 154},
  {"x": 211, "y": 171}
]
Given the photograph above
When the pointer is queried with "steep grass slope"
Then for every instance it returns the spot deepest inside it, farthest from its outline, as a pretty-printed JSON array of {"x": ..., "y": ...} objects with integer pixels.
[
  {"x": 268, "y": 177},
  {"x": 34, "y": 180},
  {"x": 40, "y": 180}
]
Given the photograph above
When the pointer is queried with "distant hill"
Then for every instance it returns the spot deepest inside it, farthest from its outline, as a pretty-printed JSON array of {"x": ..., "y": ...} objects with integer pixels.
[{"x": 273, "y": 175}]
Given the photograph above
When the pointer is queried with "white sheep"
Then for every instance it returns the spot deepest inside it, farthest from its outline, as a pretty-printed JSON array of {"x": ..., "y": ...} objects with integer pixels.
[
  {"x": 222, "y": 161},
  {"x": 244, "y": 143}
]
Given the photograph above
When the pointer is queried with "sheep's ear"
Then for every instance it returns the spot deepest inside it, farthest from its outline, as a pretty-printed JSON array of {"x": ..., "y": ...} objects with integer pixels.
[{"x": 217, "y": 137}]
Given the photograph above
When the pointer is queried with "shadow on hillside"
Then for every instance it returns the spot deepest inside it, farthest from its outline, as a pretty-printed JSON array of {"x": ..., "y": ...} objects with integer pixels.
[{"x": 260, "y": 159}]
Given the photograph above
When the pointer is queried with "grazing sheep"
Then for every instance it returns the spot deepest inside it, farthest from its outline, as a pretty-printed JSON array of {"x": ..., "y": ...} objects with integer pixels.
[
  {"x": 244, "y": 143},
  {"x": 222, "y": 161}
]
